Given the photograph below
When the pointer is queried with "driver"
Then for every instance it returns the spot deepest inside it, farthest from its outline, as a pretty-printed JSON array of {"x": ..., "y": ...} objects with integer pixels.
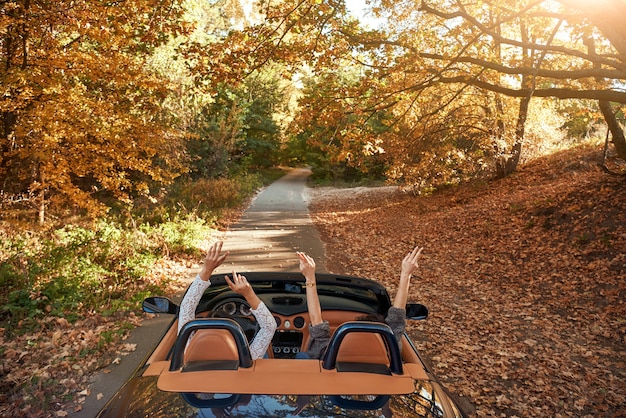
[{"x": 239, "y": 284}]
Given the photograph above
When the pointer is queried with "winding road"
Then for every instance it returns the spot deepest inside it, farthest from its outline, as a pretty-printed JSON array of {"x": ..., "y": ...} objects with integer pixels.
[{"x": 269, "y": 232}]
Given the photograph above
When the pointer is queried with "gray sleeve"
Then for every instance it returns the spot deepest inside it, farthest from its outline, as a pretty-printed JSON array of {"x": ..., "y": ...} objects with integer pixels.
[
  {"x": 319, "y": 339},
  {"x": 396, "y": 319}
]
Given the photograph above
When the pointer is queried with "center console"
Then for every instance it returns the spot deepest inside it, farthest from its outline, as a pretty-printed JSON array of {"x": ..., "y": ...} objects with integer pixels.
[{"x": 286, "y": 344}]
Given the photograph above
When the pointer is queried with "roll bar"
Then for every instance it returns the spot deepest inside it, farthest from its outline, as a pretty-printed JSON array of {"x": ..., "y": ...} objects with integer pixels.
[
  {"x": 329, "y": 361},
  {"x": 245, "y": 358}
]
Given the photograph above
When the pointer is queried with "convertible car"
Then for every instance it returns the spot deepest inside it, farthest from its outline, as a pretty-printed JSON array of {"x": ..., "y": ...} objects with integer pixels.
[{"x": 207, "y": 370}]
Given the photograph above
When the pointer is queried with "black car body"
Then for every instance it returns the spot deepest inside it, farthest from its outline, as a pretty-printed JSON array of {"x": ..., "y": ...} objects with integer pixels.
[{"x": 363, "y": 372}]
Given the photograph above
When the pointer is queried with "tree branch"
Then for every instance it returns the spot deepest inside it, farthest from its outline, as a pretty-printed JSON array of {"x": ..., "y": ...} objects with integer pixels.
[
  {"x": 513, "y": 42},
  {"x": 555, "y": 74},
  {"x": 559, "y": 93}
]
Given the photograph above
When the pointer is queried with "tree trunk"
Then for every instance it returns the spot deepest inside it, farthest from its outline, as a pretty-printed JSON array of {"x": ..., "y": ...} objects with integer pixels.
[
  {"x": 508, "y": 164},
  {"x": 617, "y": 133},
  {"x": 499, "y": 134},
  {"x": 40, "y": 193},
  {"x": 41, "y": 215},
  {"x": 8, "y": 125}
]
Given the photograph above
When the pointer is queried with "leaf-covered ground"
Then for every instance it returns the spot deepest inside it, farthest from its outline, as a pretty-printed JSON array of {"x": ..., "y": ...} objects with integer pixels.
[
  {"x": 524, "y": 277},
  {"x": 46, "y": 372}
]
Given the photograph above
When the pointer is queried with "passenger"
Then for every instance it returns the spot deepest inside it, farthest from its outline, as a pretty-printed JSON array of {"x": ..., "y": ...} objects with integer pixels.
[
  {"x": 319, "y": 330},
  {"x": 239, "y": 284}
]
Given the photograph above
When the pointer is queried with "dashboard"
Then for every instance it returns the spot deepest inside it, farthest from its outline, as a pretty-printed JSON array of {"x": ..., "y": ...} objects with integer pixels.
[
  {"x": 291, "y": 316},
  {"x": 292, "y": 320}
]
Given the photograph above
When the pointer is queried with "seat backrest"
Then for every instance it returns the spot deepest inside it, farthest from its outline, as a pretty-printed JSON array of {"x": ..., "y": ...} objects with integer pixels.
[
  {"x": 211, "y": 344},
  {"x": 362, "y": 347}
]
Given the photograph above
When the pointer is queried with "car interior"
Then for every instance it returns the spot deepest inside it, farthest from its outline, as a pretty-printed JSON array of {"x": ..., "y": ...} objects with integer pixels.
[
  {"x": 211, "y": 355},
  {"x": 362, "y": 358}
]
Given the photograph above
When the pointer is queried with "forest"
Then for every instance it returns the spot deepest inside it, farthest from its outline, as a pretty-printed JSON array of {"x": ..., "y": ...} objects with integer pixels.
[
  {"x": 132, "y": 129},
  {"x": 108, "y": 103}
]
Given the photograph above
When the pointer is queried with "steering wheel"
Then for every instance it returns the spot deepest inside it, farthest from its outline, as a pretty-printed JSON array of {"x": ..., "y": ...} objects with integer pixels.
[{"x": 240, "y": 311}]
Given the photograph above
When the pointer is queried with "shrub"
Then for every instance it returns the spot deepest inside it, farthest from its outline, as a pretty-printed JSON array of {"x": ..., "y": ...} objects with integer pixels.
[
  {"x": 207, "y": 198},
  {"x": 74, "y": 269},
  {"x": 176, "y": 238}
]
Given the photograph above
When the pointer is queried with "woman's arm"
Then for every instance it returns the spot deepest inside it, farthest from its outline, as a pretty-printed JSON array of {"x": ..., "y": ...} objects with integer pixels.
[
  {"x": 307, "y": 267},
  {"x": 212, "y": 260},
  {"x": 396, "y": 316},
  {"x": 263, "y": 338},
  {"x": 319, "y": 330},
  {"x": 409, "y": 265}
]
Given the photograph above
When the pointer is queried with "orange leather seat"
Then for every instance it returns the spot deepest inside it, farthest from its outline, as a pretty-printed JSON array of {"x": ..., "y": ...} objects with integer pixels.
[
  {"x": 360, "y": 347},
  {"x": 211, "y": 344}
]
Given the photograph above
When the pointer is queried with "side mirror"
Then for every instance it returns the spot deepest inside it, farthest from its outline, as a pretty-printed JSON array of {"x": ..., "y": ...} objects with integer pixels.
[
  {"x": 159, "y": 305},
  {"x": 416, "y": 311}
]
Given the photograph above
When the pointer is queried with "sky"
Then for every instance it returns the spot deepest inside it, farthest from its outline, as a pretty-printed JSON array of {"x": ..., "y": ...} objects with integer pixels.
[{"x": 360, "y": 10}]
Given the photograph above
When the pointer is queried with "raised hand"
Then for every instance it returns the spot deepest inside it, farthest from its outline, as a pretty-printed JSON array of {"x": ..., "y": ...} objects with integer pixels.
[
  {"x": 307, "y": 266},
  {"x": 409, "y": 264},
  {"x": 239, "y": 284},
  {"x": 213, "y": 259}
]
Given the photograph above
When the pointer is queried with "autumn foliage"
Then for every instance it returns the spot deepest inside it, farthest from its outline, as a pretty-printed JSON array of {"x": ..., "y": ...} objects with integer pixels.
[
  {"x": 106, "y": 102},
  {"x": 441, "y": 89},
  {"x": 81, "y": 109}
]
